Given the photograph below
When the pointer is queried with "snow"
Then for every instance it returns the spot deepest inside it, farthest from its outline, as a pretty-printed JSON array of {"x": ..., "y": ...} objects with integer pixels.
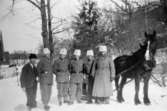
[{"x": 12, "y": 98}]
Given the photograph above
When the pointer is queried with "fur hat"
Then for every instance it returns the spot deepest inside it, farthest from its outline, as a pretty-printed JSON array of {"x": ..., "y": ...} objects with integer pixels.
[
  {"x": 90, "y": 53},
  {"x": 46, "y": 51},
  {"x": 63, "y": 51},
  {"x": 103, "y": 48},
  {"x": 77, "y": 52}
]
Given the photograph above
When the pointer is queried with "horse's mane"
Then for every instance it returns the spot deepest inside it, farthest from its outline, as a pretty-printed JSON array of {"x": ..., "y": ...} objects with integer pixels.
[{"x": 126, "y": 61}]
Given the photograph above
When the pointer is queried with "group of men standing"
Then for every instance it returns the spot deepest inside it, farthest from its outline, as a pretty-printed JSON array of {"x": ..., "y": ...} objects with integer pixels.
[{"x": 69, "y": 74}]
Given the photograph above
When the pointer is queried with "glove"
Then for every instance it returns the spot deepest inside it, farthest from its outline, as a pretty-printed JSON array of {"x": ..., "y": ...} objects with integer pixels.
[
  {"x": 23, "y": 89},
  {"x": 112, "y": 78}
]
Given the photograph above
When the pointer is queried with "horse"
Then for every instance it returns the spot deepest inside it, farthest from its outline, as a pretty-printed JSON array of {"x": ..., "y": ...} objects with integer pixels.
[{"x": 136, "y": 66}]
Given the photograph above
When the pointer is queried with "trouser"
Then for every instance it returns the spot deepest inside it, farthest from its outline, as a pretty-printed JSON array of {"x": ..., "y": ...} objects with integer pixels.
[
  {"x": 163, "y": 81},
  {"x": 90, "y": 87},
  {"x": 63, "y": 88},
  {"x": 45, "y": 93},
  {"x": 31, "y": 95},
  {"x": 75, "y": 91}
]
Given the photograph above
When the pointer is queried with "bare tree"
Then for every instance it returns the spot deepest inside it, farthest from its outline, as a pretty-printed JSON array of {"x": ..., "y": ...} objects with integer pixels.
[
  {"x": 49, "y": 28},
  {"x": 126, "y": 7}
]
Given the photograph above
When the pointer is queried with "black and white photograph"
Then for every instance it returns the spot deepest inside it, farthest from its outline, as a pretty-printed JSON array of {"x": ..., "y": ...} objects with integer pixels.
[{"x": 83, "y": 55}]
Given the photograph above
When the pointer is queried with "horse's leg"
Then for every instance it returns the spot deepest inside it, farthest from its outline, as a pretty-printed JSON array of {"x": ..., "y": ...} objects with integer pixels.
[
  {"x": 137, "y": 87},
  {"x": 117, "y": 83},
  {"x": 120, "y": 90},
  {"x": 145, "y": 88}
]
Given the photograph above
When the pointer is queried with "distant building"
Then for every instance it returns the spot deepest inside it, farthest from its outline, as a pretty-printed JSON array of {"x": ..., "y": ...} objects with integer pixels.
[
  {"x": 1, "y": 48},
  {"x": 4, "y": 56}
]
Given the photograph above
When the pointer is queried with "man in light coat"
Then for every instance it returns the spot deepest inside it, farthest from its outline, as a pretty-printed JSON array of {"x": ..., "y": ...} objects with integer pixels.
[
  {"x": 88, "y": 66},
  {"x": 45, "y": 77},
  {"x": 104, "y": 74},
  {"x": 61, "y": 70},
  {"x": 76, "y": 78}
]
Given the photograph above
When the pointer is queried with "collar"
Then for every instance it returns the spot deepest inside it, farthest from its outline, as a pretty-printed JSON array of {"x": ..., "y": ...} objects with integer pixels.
[{"x": 31, "y": 65}]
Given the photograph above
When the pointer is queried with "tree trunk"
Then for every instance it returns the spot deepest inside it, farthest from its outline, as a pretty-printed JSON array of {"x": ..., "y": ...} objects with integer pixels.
[
  {"x": 50, "y": 28},
  {"x": 44, "y": 24}
]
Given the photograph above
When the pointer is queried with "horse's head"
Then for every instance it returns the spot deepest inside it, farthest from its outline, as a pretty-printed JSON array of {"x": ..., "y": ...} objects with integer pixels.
[{"x": 151, "y": 45}]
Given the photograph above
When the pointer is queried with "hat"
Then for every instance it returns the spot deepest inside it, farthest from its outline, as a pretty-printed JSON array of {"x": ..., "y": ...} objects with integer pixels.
[
  {"x": 103, "y": 48},
  {"x": 89, "y": 53},
  {"x": 63, "y": 51},
  {"x": 32, "y": 56},
  {"x": 46, "y": 51},
  {"x": 77, "y": 52}
]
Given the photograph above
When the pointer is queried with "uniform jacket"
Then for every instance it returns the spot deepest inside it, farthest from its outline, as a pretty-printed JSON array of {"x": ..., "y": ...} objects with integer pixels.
[
  {"x": 76, "y": 71},
  {"x": 44, "y": 68},
  {"x": 88, "y": 66},
  {"x": 61, "y": 70},
  {"x": 28, "y": 76}
]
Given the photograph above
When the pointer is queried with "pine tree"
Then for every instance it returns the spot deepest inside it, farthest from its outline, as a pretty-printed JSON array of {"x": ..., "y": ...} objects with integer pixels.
[{"x": 85, "y": 26}]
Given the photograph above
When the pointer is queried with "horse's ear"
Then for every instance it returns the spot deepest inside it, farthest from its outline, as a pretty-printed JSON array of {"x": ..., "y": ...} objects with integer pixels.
[
  {"x": 140, "y": 45},
  {"x": 145, "y": 33},
  {"x": 154, "y": 33}
]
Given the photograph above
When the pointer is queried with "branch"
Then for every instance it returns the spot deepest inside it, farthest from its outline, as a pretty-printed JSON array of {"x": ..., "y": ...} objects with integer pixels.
[
  {"x": 137, "y": 3},
  {"x": 120, "y": 7},
  {"x": 54, "y": 3},
  {"x": 35, "y": 4},
  {"x": 59, "y": 31}
]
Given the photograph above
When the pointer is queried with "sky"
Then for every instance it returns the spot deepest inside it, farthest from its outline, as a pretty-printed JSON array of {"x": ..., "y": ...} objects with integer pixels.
[{"x": 22, "y": 28}]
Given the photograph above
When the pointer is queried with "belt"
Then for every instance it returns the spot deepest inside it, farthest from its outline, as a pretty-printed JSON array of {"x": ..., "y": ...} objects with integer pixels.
[
  {"x": 62, "y": 71},
  {"x": 76, "y": 72}
]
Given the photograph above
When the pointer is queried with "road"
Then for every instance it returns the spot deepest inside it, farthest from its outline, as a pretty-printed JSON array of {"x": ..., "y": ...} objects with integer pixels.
[{"x": 12, "y": 98}]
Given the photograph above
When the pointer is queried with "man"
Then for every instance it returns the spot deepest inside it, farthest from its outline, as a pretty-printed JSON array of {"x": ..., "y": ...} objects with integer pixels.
[
  {"x": 88, "y": 65},
  {"x": 76, "y": 78},
  {"x": 60, "y": 68},
  {"x": 45, "y": 77},
  {"x": 104, "y": 74},
  {"x": 28, "y": 81}
]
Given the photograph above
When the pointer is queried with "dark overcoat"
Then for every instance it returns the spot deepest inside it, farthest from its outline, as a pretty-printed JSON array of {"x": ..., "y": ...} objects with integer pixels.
[{"x": 28, "y": 76}]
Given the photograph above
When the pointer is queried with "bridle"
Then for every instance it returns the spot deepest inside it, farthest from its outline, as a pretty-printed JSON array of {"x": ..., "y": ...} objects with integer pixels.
[{"x": 147, "y": 54}]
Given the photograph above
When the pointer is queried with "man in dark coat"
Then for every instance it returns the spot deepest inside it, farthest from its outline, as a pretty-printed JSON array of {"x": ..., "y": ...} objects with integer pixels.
[
  {"x": 88, "y": 66},
  {"x": 28, "y": 81},
  {"x": 76, "y": 78},
  {"x": 44, "y": 68},
  {"x": 60, "y": 69}
]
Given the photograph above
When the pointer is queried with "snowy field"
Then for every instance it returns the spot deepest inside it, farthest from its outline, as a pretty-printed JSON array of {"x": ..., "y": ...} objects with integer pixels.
[{"x": 12, "y": 98}]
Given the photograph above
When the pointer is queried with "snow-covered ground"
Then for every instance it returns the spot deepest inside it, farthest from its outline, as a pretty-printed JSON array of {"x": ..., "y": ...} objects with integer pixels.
[{"x": 12, "y": 98}]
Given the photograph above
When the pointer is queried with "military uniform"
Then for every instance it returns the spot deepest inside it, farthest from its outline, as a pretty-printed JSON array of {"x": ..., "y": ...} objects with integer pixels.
[
  {"x": 46, "y": 79},
  {"x": 88, "y": 65},
  {"x": 28, "y": 81},
  {"x": 76, "y": 79},
  {"x": 60, "y": 68}
]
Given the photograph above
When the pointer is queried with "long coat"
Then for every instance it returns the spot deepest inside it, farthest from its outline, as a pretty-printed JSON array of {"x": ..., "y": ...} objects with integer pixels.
[
  {"x": 104, "y": 72},
  {"x": 61, "y": 70},
  {"x": 28, "y": 76},
  {"x": 44, "y": 68}
]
